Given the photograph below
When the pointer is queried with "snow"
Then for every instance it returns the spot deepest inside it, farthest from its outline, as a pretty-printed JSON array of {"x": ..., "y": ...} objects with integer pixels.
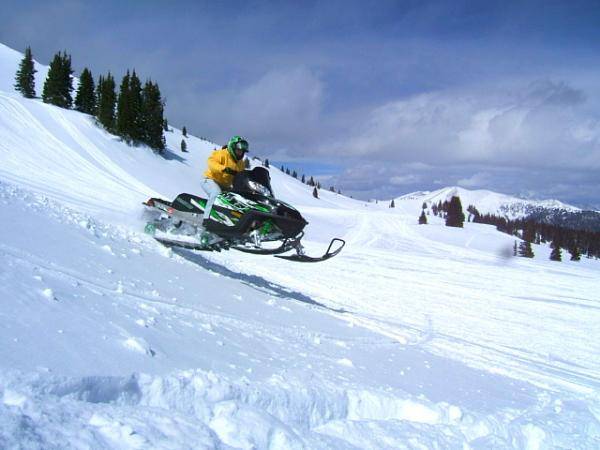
[
  {"x": 487, "y": 202},
  {"x": 413, "y": 337}
]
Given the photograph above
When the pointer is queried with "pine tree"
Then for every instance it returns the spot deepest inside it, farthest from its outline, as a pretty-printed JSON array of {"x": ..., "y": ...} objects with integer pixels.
[
  {"x": 575, "y": 253},
  {"x": 455, "y": 216},
  {"x": 295, "y": 174},
  {"x": 303, "y": 179},
  {"x": 529, "y": 231},
  {"x": 151, "y": 117},
  {"x": 515, "y": 249},
  {"x": 99, "y": 92},
  {"x": 525, "y": 249},
  {"x": 85, "y": 100},
  {"x": 311, "y": 182},
  {"x": 266, "y": 163},
  {"x": 183, "y": 146},
  {"x": 184, "y": 131},
  {"x": 392, "y": 204},
  {"x": 59, "y": 82},
  {"x": 25, "y": 79},
  {"x": 124, "y": 113},
  {"x": 166, "y": 125},
  {"x": 474, "y": 215},
  {"x": 315, "y": 192},
  {"x": 422, "y": 218},
  {"x": 106, "y": 100},
  {"x": 67, "y": 80},
  {"x": 556, "y": 254},
  {"x": 138, "y": 128}
]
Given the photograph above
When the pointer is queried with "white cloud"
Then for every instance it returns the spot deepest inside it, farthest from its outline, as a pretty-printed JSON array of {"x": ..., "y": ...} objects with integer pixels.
[
  {"x": 477, "y": 180},
  {"x": 279, "y": 112},
  {"x": 279, "y": 100},
  {"x": 400, "y": 180},
  {"x": 544, "y": 124},
  {"x": 281, "y": 108}
]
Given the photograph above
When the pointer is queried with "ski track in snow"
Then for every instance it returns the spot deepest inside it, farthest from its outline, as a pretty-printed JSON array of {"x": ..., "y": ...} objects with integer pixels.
[
  {"x": 413, "y": 337},
  {"x": 482, "y": 335}
]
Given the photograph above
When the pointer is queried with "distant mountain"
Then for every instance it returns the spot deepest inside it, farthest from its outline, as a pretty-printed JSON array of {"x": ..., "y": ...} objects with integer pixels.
[
  {"x": 489, "y": 202},
  {"x": 512, "y": 208}
]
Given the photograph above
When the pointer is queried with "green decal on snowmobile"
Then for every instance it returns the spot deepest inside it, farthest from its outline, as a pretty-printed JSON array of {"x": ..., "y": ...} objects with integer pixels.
[
  {"x": 226, "y": 201},
  {"x": 266, "y": 227},
  {"x": 261, "y": 208},
  {"x": 199, "y": 203}
]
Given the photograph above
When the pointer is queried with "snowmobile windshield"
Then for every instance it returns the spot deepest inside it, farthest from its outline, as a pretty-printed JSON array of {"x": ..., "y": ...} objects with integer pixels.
[{"x": 255, "y": 181}]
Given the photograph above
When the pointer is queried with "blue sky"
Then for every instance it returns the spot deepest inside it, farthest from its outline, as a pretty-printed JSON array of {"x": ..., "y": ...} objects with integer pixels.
[{"x": 379, "y": 97}]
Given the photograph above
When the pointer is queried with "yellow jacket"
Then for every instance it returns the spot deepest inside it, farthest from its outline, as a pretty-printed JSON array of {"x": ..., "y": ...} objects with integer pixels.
[{"x": 217, "y": 162}]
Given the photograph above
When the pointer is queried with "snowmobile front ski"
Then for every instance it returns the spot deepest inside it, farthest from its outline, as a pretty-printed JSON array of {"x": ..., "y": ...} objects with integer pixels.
[
  {"x": 301, "y": 257},
  {"x": 286, "y": 246}
]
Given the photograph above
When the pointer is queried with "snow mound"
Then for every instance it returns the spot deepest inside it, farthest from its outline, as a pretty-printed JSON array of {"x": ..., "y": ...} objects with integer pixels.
[{"x": 140, "y": 410}]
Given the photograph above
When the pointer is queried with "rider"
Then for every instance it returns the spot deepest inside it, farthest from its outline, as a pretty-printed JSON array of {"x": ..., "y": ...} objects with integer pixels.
[{"x": 223, "y": 164}]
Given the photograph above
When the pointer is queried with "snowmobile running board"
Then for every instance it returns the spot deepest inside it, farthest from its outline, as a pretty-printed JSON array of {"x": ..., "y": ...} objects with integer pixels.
[{"x": 301, "y": 257}]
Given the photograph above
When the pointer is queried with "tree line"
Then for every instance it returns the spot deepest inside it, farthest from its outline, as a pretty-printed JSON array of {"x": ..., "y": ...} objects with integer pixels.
[
  {"x": 316, "y": 185},
  {"x": 136, "y": 113},
  {"x": 575, "y": 241}
]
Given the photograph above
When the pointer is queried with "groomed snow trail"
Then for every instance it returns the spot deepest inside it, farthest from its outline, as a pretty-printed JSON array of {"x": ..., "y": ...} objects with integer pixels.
[{"x": 461, "y": 297}]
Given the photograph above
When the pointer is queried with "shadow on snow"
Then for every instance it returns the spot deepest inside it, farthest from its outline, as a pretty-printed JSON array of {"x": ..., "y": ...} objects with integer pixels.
[
  {"x": 251, "y": 280},
  {"x": 169, "y": 155}
]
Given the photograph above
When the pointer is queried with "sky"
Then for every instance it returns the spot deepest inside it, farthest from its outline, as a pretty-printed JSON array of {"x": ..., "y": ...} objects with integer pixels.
[{"x": 378, "y": 98}]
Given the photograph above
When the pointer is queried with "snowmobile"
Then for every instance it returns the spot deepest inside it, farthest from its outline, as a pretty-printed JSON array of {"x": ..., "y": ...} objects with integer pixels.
[{"x": 247, "y": 218}]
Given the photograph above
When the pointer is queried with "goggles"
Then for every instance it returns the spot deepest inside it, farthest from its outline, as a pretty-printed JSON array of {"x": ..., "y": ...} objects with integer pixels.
[{"x": 241, "y": 145}]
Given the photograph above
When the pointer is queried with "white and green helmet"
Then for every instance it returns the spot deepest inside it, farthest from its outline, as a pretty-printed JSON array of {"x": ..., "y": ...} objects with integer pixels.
[{"x": 237, "y": 143}]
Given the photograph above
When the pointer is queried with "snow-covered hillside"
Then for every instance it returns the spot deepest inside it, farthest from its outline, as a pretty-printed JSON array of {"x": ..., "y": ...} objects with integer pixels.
[
  {"x": 413, "y": 337},
  {"x": 488, "y": 202}
]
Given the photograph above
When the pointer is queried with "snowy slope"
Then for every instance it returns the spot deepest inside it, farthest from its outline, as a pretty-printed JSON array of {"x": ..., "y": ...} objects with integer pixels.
[
  {"x": 413, "y": 337},
  {"x": 488, "y": 202}
]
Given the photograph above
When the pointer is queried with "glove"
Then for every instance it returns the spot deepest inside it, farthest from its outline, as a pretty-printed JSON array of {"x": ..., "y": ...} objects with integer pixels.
[{"x": 229, "y": 171}]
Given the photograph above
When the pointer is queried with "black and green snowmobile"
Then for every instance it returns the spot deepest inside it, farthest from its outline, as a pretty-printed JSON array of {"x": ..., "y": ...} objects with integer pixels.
[{"x": 247, "y": 218}]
